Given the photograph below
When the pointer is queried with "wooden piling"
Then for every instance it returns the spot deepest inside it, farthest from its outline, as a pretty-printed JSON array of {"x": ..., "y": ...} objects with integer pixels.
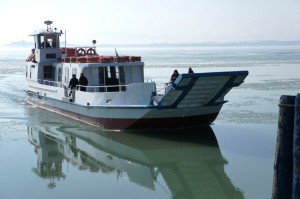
[
  {"x": 296, "y": 150},
  {"x": 283, "y": 166}
]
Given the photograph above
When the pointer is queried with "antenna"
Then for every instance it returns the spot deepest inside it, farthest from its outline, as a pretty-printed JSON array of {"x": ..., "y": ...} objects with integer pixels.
[
  {"x": 94, "y": 42},
  {"x": 48, "y": 23}
]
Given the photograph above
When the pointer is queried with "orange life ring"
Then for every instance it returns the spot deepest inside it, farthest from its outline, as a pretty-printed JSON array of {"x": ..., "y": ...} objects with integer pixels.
[
  {"x": 81, "y": 52},
  {"x": 90, "y": 51}
]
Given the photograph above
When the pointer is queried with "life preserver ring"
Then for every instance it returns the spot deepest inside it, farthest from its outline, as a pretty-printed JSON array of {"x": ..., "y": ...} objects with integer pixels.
[
  {"x": 81, "y": 52},
  {"x": 90, "y": 51}
]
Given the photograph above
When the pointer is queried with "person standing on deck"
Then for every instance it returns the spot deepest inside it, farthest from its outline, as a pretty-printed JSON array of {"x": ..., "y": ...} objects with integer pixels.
[
  {"x": 83, "y": 81},
  {"x": 73, "y": 82}
]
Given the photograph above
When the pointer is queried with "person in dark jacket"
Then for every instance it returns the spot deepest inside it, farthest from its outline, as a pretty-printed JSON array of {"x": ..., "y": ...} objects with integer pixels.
[
  {"x": 73, "y": 82},
  {"x": 191, "y": 70},
  {"x": 83, "y": 81},
  {"x": 174, "y": 76}
]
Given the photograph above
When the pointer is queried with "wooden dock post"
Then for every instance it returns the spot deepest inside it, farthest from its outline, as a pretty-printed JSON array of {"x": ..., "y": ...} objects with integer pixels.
[
  {"x": 283, "y": 166},
  {"x": 296, "y": 150}
]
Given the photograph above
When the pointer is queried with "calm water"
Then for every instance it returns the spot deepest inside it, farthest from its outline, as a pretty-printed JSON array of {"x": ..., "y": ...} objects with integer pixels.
[{"x": 45, "y": 155}]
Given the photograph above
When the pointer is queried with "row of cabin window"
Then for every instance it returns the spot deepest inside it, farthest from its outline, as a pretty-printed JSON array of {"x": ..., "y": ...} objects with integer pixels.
[
  {"x": 47, "y": 42},
  {"x": 110, "y": 75}
]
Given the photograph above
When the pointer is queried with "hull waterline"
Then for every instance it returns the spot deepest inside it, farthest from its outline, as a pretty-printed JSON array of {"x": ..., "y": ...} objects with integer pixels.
[{"x": 128, "y": 123}]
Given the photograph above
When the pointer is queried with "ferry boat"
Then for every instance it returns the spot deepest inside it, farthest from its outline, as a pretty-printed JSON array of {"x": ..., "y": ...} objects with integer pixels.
[{"x": 117, "y": 97}]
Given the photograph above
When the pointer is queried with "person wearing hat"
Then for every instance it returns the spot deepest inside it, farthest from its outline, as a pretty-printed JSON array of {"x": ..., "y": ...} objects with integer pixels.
[{"x": 83, "y": 81}]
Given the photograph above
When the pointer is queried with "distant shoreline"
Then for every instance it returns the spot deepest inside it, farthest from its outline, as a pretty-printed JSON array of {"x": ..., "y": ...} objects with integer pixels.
[{"x": 203, "y": 44}]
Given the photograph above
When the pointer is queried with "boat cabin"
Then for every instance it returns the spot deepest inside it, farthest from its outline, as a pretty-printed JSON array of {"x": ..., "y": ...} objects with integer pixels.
[{"x": 52, "y": 65}]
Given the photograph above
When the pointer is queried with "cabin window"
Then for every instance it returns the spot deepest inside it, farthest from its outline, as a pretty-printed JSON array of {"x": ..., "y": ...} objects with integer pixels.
[
  {"x": 44, "y": 42},
  {"x": 40, "y": 41},
  {"x": 48, "y": 72},
  {"x": 59, "y": 74},
  {"x": 101, "y": 77},
  {"x": 107, "y": 72},
  {"x": 112, "y": 78},
  {"x": 50, "y": 56},
  {"x": 66, "y": 75},
  {"x": 114, "y": 72},
  {"x": 122, "y": 77},
  {"x": 94, "y": 76},
  {"x": 109, "y": 79},
  {"x": 49, "y": 41},
  {"x": 74, "y": 71},
  {"x": 31, "y": 69}
]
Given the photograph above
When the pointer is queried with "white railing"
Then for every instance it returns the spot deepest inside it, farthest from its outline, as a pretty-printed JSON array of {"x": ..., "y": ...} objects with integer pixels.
[
  {"x": 110, "y": 88},
  {"x": 161, "y": 88},
  {"x": 50, "y": 83}
]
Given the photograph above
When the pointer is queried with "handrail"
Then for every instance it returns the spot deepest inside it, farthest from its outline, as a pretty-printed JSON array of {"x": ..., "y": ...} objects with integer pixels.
[
  {"x": 50, "y": 83},
  {"x": 108, "y": 88},
  {"x": 161, "y": 88}
]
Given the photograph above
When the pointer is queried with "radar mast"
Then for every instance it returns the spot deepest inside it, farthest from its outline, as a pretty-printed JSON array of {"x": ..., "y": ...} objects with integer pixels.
[{"x": 48, "y": 23}]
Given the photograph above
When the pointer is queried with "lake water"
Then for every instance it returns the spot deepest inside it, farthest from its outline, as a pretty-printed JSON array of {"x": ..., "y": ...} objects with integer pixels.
[{"x": 45, "y": 155}]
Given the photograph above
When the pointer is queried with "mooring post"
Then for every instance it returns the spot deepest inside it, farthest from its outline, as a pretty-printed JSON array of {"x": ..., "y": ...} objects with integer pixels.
[
  {"x": 296, "y": 150},
  {"x": 283, "y": 166}
]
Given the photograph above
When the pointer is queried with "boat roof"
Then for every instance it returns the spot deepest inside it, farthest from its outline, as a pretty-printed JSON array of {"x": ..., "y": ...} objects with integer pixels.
[
  {"x": 48, "y": 31},
  {"x": 97, "y": 65}
]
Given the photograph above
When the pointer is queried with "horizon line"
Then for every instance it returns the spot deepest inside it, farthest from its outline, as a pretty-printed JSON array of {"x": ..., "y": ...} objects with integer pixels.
[{"x": 177, "y": 44}]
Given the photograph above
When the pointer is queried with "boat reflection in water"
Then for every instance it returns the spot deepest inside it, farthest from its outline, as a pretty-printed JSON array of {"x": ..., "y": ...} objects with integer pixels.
[{"x": 189, "y": 162}]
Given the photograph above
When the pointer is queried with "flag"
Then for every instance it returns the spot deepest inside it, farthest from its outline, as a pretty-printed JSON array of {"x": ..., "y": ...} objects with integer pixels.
[{"x": 117, "y": 55}]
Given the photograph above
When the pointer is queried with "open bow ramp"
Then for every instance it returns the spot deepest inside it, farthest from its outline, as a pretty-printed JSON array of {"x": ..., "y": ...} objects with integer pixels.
[{"x": 201, "y": 89}]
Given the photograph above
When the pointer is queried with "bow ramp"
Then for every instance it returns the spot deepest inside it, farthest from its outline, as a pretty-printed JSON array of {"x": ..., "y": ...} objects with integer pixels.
[{"x": 201, "y": 89}]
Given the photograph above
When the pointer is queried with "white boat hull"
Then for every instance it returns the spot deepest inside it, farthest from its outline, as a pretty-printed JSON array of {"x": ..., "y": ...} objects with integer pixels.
[{"x": 130, "y": 117}]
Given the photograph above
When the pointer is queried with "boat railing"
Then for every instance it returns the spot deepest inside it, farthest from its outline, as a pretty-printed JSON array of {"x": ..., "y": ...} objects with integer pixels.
[
  {"x": 78, "y": 51},
  {"x": 107, "y": 88},
  {"x": 50, "y": 83},
  {"x": 162, "y": 88}
]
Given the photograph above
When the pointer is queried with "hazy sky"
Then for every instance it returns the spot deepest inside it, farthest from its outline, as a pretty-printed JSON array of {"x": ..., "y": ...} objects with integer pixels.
[{"x": 153, "y": 21}]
